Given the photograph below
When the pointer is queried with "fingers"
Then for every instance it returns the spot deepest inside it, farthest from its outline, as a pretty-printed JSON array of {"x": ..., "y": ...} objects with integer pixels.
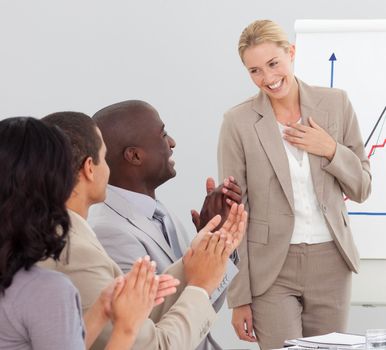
[
  {"x": 212, "y": 224},
  {"x": 232, "y": 191},
  {"x": 298, "y": 126},
  {"x": 232, "y": 185},
  {"x": 174, "y": 282},
  {"x": 142, "y": 275},
  {"x": 158, "y": 301},
  {"x": 231, "y": 196},
  {"x": 210, "y": 185},
  {"x": 154, "y": 283},
  {"x": 243, "y": 323},
  {"x": 294, "y": 134},
  {"x": 215, "y": 243},
  {"x": 227, "y": 251},
  {"x": 242, "y": 333},
  {"x": 165, "y": 278},
  {"x": 232, "y": 215},
  {"x": 151, "y": 279},
  {"x": 313, "y": 124},
  {"x": 242, "y": 225},
  {"x": 132, "y": 276},
  {"x": 249, "y": 329},
  {"x": 195, "y": 219},
  {"x": 239, "y": 229},
  {"x": 167, "y": 286},
  {"x": 205, "y": 241},
  {"x": 161, "y": 293},
  {"x": 119, "y": 284},
  {"x": 237, "y": 216}
]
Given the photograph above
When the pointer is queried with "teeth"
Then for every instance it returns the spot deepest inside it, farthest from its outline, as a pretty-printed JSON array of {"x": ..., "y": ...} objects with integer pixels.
[{"x": 275, "y": 86}]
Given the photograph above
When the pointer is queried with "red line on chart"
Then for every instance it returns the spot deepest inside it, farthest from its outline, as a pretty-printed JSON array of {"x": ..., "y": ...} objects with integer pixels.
[{"x": 373, "y": 147}]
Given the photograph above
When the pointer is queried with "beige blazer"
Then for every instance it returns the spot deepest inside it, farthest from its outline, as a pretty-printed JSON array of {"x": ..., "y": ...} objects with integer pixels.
[
  {"x": 186, "y": 316},
  {"x": 251, "y": 149}
]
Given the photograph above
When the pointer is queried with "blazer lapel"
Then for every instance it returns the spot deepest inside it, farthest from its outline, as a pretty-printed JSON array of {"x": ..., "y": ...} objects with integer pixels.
[
  {"x": 271, "y": 140},
  {"x": 80, "y": 227},
  {"x": 125, "y": 209},
  {"x": 309, "y": 103}
]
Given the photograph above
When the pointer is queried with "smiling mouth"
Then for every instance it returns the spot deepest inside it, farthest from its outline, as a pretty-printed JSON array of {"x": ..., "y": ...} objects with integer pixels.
[{"x": 275, "y": 85}]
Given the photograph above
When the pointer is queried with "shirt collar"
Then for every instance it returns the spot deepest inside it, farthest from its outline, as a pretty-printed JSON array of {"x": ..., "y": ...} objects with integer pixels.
[{"x": 142, "y": 202}]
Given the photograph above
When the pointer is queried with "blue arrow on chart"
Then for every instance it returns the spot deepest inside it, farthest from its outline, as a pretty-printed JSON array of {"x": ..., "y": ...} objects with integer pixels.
[{"x": 332, "y": 59}]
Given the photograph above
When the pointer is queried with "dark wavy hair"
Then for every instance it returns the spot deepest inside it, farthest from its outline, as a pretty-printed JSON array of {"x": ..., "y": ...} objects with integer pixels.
[{"x": 36, "y": 180}]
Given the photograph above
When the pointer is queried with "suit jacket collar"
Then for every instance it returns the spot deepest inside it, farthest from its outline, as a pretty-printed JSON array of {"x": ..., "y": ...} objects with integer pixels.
[
  {"x": 127, "y": 210},
  {"x": 81, "y": 229},
  {"x": 271, "y": 139}
]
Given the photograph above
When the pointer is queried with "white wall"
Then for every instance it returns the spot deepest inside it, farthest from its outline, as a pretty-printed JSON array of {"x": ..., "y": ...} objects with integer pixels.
[{"x": 181, "y": 56}]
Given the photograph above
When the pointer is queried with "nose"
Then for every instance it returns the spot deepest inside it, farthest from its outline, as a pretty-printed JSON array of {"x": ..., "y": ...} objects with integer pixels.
[
  {"x": 268, "y": 78},
  {"x": 171, "y": 142}
]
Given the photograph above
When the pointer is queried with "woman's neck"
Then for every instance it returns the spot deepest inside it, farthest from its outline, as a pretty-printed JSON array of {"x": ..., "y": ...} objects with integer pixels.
[{"x": 287, "y": 109}]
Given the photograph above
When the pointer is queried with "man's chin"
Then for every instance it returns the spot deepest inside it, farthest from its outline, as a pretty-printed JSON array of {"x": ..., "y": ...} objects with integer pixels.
[{"x": 171, "y": 175}]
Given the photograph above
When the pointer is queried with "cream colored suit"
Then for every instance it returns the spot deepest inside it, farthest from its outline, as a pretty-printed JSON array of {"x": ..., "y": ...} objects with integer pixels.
[
  {"x": 185, "y": 318},
  {"x": 251, "y": 149}
]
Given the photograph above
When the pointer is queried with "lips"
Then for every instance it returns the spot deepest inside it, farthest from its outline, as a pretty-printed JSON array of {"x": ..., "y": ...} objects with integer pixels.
[
  {"x": 171, "y": 161},
  {"x": 276, "y": 85}
]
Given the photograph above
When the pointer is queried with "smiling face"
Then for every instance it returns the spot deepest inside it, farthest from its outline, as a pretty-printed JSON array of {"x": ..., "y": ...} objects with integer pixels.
[
  {"x": 270, "y": 67},
  {"x": 158, "y": 165}
]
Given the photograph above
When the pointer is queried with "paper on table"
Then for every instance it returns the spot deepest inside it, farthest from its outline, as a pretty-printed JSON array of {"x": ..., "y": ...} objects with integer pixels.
[{"x": 331, "y": 340}]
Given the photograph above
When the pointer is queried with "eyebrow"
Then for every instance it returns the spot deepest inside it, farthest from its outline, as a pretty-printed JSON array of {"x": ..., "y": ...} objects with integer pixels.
[
  {"x": 268, "y": 62},
  {"x": 250, "y": 68},
  {"x": 273, "y": 58}
]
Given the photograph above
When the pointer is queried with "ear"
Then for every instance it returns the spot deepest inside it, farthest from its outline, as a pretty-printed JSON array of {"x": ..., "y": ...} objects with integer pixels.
[
  {"x": 87, "y": 169},
  {"x": 133, "y": 155},
  {"x": 292, "y": 51}
]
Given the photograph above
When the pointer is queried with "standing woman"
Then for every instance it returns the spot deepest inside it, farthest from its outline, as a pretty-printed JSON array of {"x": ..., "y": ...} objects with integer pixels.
[{"x": 296, "y": 151}]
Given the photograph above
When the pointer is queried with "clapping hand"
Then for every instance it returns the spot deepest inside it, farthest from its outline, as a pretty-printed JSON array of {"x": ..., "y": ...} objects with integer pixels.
[{"x": 218, "y": 200}]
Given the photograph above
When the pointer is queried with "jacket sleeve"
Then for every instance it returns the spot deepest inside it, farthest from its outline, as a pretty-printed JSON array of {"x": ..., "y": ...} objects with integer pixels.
[
  {"x": 350, "y": 165},
  {"x": 181, "y": 322},
  {"x": 231, "y": 162}
]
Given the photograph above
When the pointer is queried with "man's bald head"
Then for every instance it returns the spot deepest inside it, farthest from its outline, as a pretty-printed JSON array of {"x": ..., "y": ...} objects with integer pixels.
[
  {"x": 136, "y": 143},
  {"x": 122, "y": 122}
]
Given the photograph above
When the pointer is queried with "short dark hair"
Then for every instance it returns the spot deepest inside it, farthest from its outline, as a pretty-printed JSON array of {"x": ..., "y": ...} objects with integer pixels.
[
  {"x": 82, "y": 132},
  {"x": 35, "y": 183}
]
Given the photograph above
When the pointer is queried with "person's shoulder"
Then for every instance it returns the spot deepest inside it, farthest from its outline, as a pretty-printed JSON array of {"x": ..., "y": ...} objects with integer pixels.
[
  {"x": 328, "y": 91},
  {"x": 106, "y": 214},
  {"x": 39, "y": 281},
  {"x": 51, "y": 280},
  {"x": 241, "y": 107},
  {"x": 322, "y": 93}
]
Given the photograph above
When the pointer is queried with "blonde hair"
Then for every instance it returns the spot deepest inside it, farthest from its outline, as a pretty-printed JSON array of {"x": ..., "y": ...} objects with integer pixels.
[{"x": 262, "y": 31}]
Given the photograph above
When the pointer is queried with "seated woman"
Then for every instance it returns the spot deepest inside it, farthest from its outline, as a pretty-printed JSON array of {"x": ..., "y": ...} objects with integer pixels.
[{"x": 40, "y": 308}]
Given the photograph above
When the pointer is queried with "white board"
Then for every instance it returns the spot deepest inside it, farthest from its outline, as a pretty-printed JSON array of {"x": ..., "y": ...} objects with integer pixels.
[{"x": 359, "y": 47}]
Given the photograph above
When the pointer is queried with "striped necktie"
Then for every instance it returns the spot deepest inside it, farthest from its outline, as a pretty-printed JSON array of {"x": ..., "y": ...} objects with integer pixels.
[{"x": 168, "y": 228}]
